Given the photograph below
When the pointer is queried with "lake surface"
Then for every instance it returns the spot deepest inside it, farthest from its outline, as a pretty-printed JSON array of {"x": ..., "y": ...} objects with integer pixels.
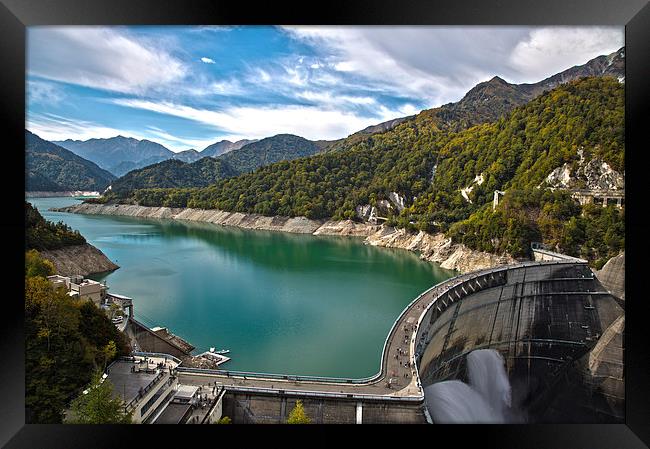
[{"x": 282, "y": 303}]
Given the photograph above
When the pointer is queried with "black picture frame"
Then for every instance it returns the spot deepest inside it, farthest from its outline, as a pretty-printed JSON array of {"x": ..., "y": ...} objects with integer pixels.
[{"x": 15, "y": 15}]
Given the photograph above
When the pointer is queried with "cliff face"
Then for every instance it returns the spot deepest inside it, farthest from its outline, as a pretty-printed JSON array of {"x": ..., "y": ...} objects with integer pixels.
[
  {"x": 438, "y": 248},
  {"x": 79, "y": 259},
  {"x": 433, "y": 248}
]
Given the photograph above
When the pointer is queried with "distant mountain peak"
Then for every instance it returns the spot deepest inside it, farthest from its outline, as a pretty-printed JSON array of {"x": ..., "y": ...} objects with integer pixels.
[
  {"x": 498, "y": 80},
  {"x": 224, "y": 146}
]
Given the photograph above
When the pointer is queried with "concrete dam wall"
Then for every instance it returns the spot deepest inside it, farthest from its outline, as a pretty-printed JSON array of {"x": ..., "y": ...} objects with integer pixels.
[{"x": 544, "y": 319}]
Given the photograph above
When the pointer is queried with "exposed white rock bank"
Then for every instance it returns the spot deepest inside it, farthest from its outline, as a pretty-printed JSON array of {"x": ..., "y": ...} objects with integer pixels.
[{"x": 431, "y": 247}]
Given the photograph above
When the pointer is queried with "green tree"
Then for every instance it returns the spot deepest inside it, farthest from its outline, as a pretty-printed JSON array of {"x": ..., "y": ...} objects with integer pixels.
[
  {"x": 225, "y": 420},
  {"x": 298, "y": 415},
  {"x": 96, "y": 405},
  {"x": 35, "y": 265},
  {"x": 109, "y": 352},
  {"x": 65, "y": 339}
]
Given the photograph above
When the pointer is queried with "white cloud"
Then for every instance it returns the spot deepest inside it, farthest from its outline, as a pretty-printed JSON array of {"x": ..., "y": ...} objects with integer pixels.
[
  {"x": 439, "y": 64},
  {"x": 326, "y": 98},
  {"x": 101, "y": 58},
  {"x": 55, "y": 127},
  {"x": 345, "y": 66},
  {"x": 254, "y": 122},
  {"x": 547, "y": 51},
  {"x": 44, "y": 92},
  {"x": 207, "y": 60},
  {"x": 263, "y": 76},
  {"x": 176, "y": 143}
]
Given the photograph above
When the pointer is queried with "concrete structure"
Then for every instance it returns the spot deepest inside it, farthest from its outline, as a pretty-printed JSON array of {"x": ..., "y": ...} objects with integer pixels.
[
  {"x": 159, "y": 341},
  {"x": 495, "y": 200},
  {"x": 144, "y": 383},
  {"x": 191, "y": 405},
  {"x": 123, "y": 302},
  {"x": 541, "y": 253},
  {"x": 612, "y": 276},
  {"x": 599, "y": 197},
  {"x": 79, "y": 287},
  {"x": 545, "y": 319}
]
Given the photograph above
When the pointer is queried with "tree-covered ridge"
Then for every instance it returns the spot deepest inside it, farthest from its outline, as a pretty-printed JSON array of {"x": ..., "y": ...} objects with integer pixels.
[
  {"x": 66, "y": 339},
  {"x": 429, "y": 166},
  {"x": 518, "y": 150},
  {"x": 522, "y": 149},
  {"x": 50, "y": 167},
  {"x": 174, "y": 173},
  {"x": 41, "y": 234},
  {"x": 591, "y": 232},
  {"x": 206, "y": 171}
]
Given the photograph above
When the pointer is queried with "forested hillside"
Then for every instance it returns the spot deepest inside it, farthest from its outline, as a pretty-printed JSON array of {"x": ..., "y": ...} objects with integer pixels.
[
  {"x": 66, "y": 339},
  {"x": 52, "y": 168},
  {"x": 428, "y": 167},
  {"x": 41, "y": 234},
  {"x": 206, "y": 171}
]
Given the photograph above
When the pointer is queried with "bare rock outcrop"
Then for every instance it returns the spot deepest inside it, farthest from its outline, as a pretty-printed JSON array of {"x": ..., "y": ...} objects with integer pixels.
[
  {"x": 79, "y": 259},
  {"x": 594, "y": 175},
  {"x": 438, "y": 248},
  {"x": 347, "y": 228},
  {"x": 299, "y": 225}
]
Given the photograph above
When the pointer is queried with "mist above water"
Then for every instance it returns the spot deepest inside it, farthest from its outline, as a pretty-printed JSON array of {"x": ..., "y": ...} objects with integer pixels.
[{"x": 487, "y": 399}]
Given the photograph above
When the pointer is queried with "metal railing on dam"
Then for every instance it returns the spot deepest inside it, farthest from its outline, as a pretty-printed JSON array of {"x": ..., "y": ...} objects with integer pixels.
[{"x": 399, "y": 377}]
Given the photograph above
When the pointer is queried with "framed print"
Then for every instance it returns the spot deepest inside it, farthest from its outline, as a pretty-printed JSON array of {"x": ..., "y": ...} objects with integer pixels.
[{"x": 362, "y": 214}]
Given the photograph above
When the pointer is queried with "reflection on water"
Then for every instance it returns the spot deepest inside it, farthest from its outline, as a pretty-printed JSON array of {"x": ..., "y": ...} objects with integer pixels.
[{"x": 282, "y": 303}]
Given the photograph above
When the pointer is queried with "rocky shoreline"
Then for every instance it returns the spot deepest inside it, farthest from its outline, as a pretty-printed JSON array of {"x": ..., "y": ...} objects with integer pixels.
[
  {"x": 431, "y": 247},
  {"x": 75, "y": 193},
  {"x": 79, "y": 259}
]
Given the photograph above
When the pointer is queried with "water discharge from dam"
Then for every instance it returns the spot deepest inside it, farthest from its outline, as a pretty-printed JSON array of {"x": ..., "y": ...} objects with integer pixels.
[{"x": 486, "y": 399}]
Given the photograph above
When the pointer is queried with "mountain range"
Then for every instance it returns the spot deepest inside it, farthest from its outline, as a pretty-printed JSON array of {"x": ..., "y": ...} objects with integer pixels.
[
  {"x": 146, "y": 164},
  {"x": 208, "y": 170},
  {"x": 489, "y": 100},
  {"x": 119, "y": 155},
  {"x": 486, "y": 102},
  {"x": 52, "y": 168}
]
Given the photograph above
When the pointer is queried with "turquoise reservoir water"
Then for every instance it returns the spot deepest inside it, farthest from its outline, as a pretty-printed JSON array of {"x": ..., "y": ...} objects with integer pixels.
[{"x": 282, "y": 303}]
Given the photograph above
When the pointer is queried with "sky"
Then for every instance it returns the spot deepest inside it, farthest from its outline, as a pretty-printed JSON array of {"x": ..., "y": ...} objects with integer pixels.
[{"x": 190, "y": 86}]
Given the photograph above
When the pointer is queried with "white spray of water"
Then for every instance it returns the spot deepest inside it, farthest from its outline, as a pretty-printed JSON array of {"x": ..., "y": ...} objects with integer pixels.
[{"x": 487, "y": 398}]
